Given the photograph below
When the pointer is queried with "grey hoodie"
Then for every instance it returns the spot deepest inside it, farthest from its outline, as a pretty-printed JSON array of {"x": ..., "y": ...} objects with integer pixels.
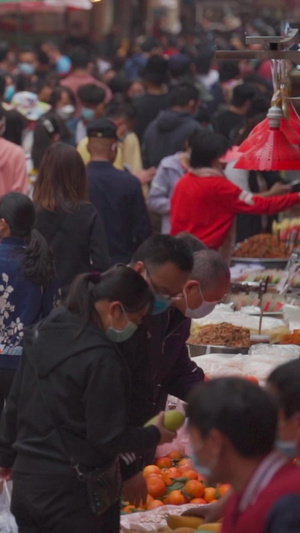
[{"x": 167, "y": 176}]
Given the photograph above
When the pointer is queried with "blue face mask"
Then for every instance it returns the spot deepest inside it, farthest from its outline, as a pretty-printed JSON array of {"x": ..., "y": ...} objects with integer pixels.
[
  {"x": 9, "y": 93},
  {"x": 160, "y": 305},
  {"x": 201, "y": 469},
  {"x": 116, "y": 335},
  {"x": 26, "y": 68},
  {"x": 88, "y": 114},
  {"x": 289, "y": 448}
]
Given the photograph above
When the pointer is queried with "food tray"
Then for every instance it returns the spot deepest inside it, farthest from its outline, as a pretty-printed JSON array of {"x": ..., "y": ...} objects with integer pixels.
[
  {"x": 197, "y": 350},
  {"x": 275, "y": 262}
]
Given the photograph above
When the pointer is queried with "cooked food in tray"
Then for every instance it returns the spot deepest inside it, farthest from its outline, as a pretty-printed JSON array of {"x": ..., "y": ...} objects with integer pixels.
[
  {"x": 262, "y": 246},
  {"x": 222, "y": 334}
]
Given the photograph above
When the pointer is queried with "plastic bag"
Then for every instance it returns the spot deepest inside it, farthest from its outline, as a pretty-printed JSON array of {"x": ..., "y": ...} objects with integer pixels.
[{"x": 7, "y": 520}]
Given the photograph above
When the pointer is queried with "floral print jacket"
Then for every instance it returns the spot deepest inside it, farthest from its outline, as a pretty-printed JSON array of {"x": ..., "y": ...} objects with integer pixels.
[{"x": 22, "y": 302}]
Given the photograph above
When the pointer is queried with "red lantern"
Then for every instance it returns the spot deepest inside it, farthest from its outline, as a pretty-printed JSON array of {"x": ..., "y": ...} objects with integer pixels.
[{"x": 273, "y": 151}]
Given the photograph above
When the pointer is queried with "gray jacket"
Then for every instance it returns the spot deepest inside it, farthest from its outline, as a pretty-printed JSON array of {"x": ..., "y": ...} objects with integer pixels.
[{"x": 167, "y": 176}]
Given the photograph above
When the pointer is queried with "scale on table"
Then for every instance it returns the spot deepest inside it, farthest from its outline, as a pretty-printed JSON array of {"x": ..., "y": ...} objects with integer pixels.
[{"x": 261, "y": 287}]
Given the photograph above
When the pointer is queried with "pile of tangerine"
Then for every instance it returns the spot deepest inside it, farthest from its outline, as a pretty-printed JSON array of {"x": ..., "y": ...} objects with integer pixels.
[{"x": 172, "y": 480}]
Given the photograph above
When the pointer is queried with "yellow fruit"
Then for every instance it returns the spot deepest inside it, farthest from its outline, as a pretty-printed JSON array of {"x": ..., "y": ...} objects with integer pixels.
[
  {"x": 175, "y": 522},
  {"x": 210, "y": 527},
  {"x": 173, "y": 420}
]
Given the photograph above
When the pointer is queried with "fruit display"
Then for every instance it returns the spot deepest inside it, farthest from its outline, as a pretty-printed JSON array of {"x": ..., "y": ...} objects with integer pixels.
[
  {"x": 275, "y": 276},
  {"x": 287, "y": 230},
  {"x": 172, "y": 480},
  {"x": 223, "y": 334},
  {"x": 262, "y": 246}
]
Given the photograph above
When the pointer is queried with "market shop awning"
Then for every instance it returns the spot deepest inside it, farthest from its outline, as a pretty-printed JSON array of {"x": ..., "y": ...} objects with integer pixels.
[{"x": 42, "y": 6}]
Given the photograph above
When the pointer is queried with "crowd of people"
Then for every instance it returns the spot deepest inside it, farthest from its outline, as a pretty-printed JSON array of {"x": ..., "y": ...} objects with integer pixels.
[{"x": 117, "y": 223}]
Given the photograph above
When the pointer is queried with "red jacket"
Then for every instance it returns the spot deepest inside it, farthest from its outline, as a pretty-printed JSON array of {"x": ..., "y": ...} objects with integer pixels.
[
  {"x": 206, "y": 204},
  {"x": 256, "y": 517}
]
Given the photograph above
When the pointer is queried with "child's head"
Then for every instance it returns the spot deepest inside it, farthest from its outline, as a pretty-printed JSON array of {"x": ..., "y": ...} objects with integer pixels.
[{"x": 17, "y": 215}]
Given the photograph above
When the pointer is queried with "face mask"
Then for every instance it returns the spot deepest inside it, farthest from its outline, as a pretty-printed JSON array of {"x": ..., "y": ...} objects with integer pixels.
[
  {"x": 203, "y": 310},
  {"x": 26, "y": 68},
  {"x": 9, "y": 93},
  {"x": 66, "y": 112},
  {"x": 88, "y": 114},
  {"x": 160, "y": 305},
  {"x": 289, "y": 448},
  {"x": 116, "y": 335},
  {"x": 201, "y": 469}
]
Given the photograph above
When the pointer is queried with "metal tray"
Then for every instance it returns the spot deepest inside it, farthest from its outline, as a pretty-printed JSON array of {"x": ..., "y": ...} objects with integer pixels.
[
  {"x": 202, "y": 349},
  {"x": 275, "y": 262}
]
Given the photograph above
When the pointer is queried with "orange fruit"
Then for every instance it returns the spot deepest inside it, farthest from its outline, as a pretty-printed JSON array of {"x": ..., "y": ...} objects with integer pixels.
[
  {"x": 174, "y": 473},
  {"x": 151, "y": 469},
  {"x": 194, "y": 488},
  {"x": 156, "y": 487},
  {"x": 166, "y": 500},
  {"x": 176, "y": 498},
  {"x": 175, "y": 456},
  {"x": 210, "y": 494},
  {"x": 199, "y": 501},
  {"x": 148, "y": 501},
  {"x": 154, "y": 505},
  {"x": 129, "y": 509},
  {"x": 191, "y": 474},
  {"x": 185, "y": 462},
  {"x": 164, "y": 462},
  {"x": 223, "y": 489},
  {"x": 167, "y": 479},
  {"x": 253, "y": 379}
]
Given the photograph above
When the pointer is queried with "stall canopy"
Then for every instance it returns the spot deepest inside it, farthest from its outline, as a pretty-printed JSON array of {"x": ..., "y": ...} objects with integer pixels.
[{"x": 32, "y": 6}]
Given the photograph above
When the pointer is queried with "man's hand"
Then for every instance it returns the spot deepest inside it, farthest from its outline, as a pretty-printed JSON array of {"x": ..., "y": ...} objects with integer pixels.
[
  {"x": 279, "y": 188},
  {"x": 212, "y": 512},
  {"x": 135, "y": 490},
  {"x": 165, "y": 435},
  {"x": 6, "y": 474}
]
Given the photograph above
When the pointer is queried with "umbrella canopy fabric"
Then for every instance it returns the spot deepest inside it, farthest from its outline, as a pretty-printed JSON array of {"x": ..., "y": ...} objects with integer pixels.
[{"x": 57, "y": 6}]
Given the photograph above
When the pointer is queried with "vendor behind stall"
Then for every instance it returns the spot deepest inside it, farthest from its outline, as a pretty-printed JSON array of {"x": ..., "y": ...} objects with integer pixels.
[{"x": 205, "y": 203}]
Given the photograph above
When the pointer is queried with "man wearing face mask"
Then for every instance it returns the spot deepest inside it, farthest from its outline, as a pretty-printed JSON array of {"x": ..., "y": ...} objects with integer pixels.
[
  {"x": 232, "y": 426},
  {"x": 116, "y": 194},
  {"x": 92, "y": 99},
  {"x": 26, "y": 69},
  {"x": 166, "y": 264}
]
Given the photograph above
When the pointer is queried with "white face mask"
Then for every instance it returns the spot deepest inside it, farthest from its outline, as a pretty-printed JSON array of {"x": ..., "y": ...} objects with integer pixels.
[
  {"x": 204, "y": 309},
  {"x": 66, "y": 112}
]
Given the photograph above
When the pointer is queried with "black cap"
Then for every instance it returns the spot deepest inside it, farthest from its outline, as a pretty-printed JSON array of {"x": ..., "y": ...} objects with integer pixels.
[{"x": 102, "y": 129}]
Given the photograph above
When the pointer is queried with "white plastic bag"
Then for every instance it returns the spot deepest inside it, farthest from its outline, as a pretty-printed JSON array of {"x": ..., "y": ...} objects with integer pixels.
[{"x": 7, "y": 520}]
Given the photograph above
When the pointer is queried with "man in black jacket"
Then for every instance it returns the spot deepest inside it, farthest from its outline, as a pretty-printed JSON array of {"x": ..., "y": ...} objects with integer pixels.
[
  {"x": 168, "y": 133},
  {"x": 116, "y": 194}
]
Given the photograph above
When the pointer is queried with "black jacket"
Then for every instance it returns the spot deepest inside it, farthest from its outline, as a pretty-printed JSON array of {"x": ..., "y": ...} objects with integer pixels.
[
  {"x": 86, "y": 384},
  {"x": 148, "y": 106},
  {"x": 77, "y": 240},
  {"x": 166, "y": 135},
  {"x": 118, "y": 198}
]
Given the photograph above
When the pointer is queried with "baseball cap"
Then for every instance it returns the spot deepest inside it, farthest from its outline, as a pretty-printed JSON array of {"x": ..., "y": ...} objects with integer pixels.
[{"x": 102, "y": 129}]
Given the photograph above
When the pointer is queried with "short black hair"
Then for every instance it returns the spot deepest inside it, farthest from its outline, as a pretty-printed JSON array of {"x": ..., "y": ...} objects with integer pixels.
[
  {"x": 194, "y": 244},
  {"x": 27, "y": 49},
  {"x": 203, "y": 60},
  {"x": 242, "y": 93},
  {"x": 119, "y": 84},
  {"x": 286, "y": 380},
  {"x": 4, "y": 48},
  {"x": 160, "y": 249},
  {"x": 120, "y": 108},
  {"x": 206, "y": 147},
  {"x": 228, "y": 70},
  {"x": 80, "y": 57},
  {"x": 244, "y": 412},
  {"x": 182, "y": 94},
  {"x": 91, "y": 94},
  {"x": 259, "y": 105}
]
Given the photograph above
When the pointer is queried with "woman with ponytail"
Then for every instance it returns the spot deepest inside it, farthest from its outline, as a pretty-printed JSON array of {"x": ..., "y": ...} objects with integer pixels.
[
  {"x": 28, "y": 290},
  {"x": 66, "y": 420}
]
